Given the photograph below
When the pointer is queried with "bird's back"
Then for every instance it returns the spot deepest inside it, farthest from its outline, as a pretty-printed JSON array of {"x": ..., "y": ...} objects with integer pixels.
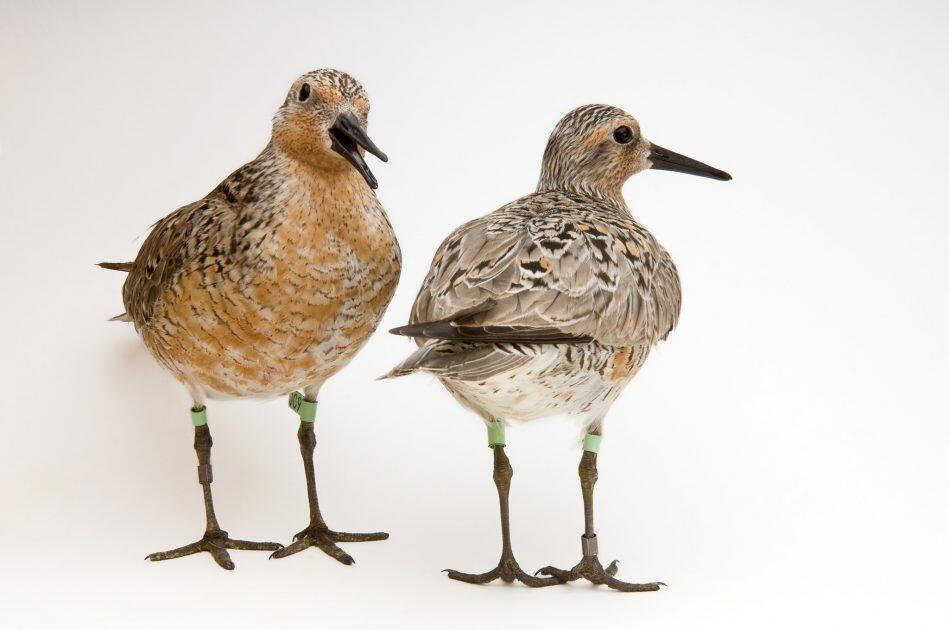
[
  {"x": 555, "y": 261},
  {"x": 214, "y": 234}
]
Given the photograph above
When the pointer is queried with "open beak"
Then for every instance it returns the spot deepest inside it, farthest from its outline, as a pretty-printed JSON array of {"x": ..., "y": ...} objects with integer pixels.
[
  {"x": 666, "y": 160},
  {"x": 347, "y": 137}
]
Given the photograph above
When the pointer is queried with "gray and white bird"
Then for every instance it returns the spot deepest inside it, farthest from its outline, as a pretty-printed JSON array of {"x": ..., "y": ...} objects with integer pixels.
[
  {"x": 550, "y": 305},
  {"x": 271, "y": 283}
]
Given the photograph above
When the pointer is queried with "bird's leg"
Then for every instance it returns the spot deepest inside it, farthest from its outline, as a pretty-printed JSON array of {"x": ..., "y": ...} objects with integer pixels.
[
  {"x": 589, "y": 566},
  {"x": 215, "y": 540},
  {"x": 507, "y": 569},
  {"x": 317, "y": 534}
]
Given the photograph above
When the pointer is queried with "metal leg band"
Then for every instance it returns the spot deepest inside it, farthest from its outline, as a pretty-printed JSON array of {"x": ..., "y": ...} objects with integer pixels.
[
  {"x": 589, "y": 545},
  {"x": 204, "y": 474}
]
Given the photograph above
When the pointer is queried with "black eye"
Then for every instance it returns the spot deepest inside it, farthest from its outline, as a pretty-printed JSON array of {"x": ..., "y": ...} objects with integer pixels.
[
  {"x": 623, "y": 134},
  {"x": 304, "y": 92}
]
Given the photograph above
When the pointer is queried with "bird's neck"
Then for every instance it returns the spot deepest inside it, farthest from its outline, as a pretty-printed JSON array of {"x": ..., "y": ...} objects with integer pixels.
[
  {"x": 606, "y": 191},
  {"x": 326, "y": 186}
]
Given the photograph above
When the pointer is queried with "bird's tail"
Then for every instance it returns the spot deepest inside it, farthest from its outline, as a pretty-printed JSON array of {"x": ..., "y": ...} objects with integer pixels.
[
  {"x": 411, "y": 364},
  {"x": 459, "y": 361},
  {"x": 124, "y": 266}
]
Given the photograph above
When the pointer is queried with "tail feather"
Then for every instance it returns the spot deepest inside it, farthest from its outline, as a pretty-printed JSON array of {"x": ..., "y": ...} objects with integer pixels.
[
  {"x": 406, "y": 367},
  {"x": 460, "y": 361},
  {"x": 123, "y": 266}
]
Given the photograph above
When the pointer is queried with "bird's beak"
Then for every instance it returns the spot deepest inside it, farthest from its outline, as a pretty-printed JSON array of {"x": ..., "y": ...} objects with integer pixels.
[
  {"x": 347, "y": 137},
  {"x": 666, "y": 160}
]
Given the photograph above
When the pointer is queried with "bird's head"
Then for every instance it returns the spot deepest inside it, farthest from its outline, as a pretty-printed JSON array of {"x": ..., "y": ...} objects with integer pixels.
[
  {"x": 323, "y": 123},
  {"x": 596, "y": 148}
]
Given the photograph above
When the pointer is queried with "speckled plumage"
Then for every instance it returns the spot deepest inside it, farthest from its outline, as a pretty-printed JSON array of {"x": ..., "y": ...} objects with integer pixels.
[
  {"x": 577, "y": 291},
  {"x": 550, "y": 305},
  {"x": 271, "y": 283},
  {"x": 276, "y": 278}
]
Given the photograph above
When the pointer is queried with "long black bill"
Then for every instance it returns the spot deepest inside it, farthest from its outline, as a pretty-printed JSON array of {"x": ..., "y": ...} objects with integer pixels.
[
  {"x": 347, "y": 137},
  {"x": 666, "y": 160}
]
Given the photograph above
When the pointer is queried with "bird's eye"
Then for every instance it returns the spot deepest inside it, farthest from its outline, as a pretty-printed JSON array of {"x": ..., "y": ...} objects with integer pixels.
[
  {"x": 623, "y": 134},
  {"x": 304, "y": 92}
]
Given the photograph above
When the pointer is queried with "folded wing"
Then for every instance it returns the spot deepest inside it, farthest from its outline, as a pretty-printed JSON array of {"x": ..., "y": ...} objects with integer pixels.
[{"x": 549, "y": 268}]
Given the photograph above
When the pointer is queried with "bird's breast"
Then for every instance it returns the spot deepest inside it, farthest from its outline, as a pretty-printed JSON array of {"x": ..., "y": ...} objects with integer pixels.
[
  {"x": 292, "y": 308},
  {"x": 333, "y": 267}
]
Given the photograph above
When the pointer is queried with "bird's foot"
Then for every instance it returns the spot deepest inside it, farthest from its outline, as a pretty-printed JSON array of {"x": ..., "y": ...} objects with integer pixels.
[
  {"x": 325, "y": 539},
  {"x": 215, "y": 543},
  {"x": 507, "y": 570},
  {"x": 591, "y": 570}
]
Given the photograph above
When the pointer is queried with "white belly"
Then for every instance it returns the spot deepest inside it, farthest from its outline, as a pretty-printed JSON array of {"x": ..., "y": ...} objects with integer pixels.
[{"x": 578, "y": 380}]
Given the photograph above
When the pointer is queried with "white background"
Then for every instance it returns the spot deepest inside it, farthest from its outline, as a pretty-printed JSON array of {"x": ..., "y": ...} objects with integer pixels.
[{"x": 781, "y": 460}]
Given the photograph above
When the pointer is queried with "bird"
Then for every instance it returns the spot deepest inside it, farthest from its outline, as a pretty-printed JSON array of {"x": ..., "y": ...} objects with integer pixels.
[
  {"x": 271, "y": 283},
  {"x": 549, "y": 306}
]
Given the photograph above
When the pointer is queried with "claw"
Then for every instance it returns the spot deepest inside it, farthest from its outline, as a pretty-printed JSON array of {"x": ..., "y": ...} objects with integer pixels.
[
  {"x": 591, "y": 570},
  {"x": 325, "y": 540},
  {"x": 217, "y": 543},
  {"x": 475, "y": 578},
  {"x": 507, "y": 570}
]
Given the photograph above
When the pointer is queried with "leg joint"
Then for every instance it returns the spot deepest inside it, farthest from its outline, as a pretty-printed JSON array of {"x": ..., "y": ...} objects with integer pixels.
[
  {"x": 503, "y": 471},
  {"x": 587, "y": 470},
  {"x": 307, "y": 436},
  {"x": 202, "y": 438}
]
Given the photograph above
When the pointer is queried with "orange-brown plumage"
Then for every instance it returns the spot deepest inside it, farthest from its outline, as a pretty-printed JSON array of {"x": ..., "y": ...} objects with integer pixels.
[
  {"x": 271, "y": 283},
  {"x": 332, "y": 265},
  {"x": 274, "y": 280}
]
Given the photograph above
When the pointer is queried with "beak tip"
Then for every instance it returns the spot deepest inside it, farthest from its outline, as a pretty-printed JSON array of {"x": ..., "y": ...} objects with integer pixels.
[{"x": 665, "y": 160}]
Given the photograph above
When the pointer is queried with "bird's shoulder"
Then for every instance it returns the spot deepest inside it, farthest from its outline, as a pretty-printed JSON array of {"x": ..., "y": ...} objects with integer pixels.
[{"x": 542, "y": 215}]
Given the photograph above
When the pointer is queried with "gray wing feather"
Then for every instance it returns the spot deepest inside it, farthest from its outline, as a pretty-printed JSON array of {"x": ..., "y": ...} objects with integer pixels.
[{"x": 553, "y": 261}]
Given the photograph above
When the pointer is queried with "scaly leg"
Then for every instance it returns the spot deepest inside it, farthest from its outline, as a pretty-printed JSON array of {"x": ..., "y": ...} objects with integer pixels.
[
  {"x": 317, "y": 534},
  {"x": 507, "y": 569},
  {"x": 589, "y": 567},
  {"x": 215, "y": 540}
]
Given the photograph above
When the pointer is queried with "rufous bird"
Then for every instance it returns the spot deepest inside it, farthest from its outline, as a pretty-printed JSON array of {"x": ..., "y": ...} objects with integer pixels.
[{"x": 271, "y": 283}]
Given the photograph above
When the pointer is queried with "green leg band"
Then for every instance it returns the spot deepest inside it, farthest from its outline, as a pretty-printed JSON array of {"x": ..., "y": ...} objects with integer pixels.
[
  {"x": 591, "y": 443},
  {"x": 306, "y": 409},
  {"x": 496, "y": 433},
  {"x": 199, "y": 417}
]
